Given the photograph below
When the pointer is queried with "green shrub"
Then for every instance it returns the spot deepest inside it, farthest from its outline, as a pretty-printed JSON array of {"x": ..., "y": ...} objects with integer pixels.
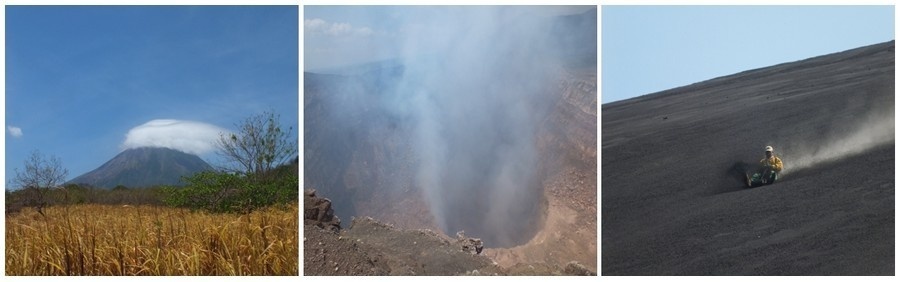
[{"x": 226, "y": 192}]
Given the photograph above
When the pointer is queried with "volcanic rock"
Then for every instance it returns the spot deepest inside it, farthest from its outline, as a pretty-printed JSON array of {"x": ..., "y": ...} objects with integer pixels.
[{"x": 318, "y": 212}]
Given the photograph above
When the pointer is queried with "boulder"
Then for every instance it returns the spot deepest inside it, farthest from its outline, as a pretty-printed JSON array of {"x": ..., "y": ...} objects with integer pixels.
[
  {"x": 318, "y": 212},
  {"x": 469, "y": 245}
]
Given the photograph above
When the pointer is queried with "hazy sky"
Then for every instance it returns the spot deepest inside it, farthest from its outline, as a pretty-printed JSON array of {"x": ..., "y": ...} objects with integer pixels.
[
  {"x": 80, "y": 77},
  {"x": 646, "y": 49},
  {"x": 336, "y": 36}
]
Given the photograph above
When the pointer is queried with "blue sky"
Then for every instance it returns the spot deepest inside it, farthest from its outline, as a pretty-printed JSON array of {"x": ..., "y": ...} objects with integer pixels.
[
  {"x": 646, "y": 49},
  {"x": 80, "y": 77}
]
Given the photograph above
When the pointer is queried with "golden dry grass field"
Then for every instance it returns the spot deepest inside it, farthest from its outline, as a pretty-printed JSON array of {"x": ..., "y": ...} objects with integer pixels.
[{"x": 149, "y": 240}]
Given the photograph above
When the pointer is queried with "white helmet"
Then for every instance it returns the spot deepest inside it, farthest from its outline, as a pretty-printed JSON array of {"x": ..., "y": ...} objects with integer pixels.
[{"x": 769, "y": 149}]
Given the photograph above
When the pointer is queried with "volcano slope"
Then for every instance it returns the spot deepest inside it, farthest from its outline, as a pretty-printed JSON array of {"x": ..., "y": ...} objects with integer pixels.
[{"x": 670, "y": 205}]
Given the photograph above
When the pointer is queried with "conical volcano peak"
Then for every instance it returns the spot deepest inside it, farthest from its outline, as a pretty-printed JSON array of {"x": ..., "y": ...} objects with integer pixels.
[{"x": 144, "y": 167}]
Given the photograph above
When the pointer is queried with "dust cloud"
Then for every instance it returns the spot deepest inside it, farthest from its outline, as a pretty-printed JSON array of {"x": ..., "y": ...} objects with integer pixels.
[{"x": 877, "y": 128}]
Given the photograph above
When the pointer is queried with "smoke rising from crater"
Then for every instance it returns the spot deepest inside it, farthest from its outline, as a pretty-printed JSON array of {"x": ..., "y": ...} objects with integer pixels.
[
  {"x": 468, "y": 91},
  {"x": 475, "y": 84}
]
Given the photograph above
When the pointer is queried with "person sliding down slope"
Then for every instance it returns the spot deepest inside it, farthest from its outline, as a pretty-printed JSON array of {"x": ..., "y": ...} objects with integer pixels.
[{"x": 768, "y": 170}]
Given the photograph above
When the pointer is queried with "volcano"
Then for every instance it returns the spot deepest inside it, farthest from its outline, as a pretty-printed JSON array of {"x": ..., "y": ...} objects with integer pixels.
[
  {"x": 671, "y": 206},
  {"x": 496, "y": 156},
  {"x": 144, "y": 167}
]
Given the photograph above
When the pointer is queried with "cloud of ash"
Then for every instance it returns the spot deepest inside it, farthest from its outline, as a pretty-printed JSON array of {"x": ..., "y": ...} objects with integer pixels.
[
  {"x": 875, "y": 129},
  {"x": 187, "y": 136}
]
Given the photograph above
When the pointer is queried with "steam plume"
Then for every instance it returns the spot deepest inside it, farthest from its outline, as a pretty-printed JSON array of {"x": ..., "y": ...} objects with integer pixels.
[
  {"x": 474, "y": 83},
  {"x": 468, "y": 91}
]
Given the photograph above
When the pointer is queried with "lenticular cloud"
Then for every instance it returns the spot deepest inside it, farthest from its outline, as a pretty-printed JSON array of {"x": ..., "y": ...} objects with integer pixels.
[{"x": 187, "y": 136}]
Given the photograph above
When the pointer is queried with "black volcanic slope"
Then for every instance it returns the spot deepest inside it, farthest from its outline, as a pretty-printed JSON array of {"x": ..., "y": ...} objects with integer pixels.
[
  {"x": 144, "y": 167},
  {"x": 670, "y": 206}
]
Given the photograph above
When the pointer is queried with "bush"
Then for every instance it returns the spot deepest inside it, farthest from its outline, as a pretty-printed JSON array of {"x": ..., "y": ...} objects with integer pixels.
[{"x": 227, "y": 192}]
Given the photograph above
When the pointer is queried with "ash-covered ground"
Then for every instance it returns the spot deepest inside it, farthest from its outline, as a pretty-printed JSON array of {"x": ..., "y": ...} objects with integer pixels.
[
  {"x": 370, "y": 247},
  {"x": 672, "y": 206}
]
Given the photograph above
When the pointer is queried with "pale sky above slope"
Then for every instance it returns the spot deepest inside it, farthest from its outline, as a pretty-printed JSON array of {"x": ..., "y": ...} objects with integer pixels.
[{"x": 647, "y": 49}]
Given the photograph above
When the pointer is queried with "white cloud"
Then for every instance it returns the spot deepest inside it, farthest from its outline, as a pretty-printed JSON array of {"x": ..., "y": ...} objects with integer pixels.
[
  {"x": 320, "y": 26},
  {"x": 187, "y": 136},
  {"x": 314, "y": 24},
  {"x": 14, "y": 131},
  {"x": 364, "y": 31}
]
